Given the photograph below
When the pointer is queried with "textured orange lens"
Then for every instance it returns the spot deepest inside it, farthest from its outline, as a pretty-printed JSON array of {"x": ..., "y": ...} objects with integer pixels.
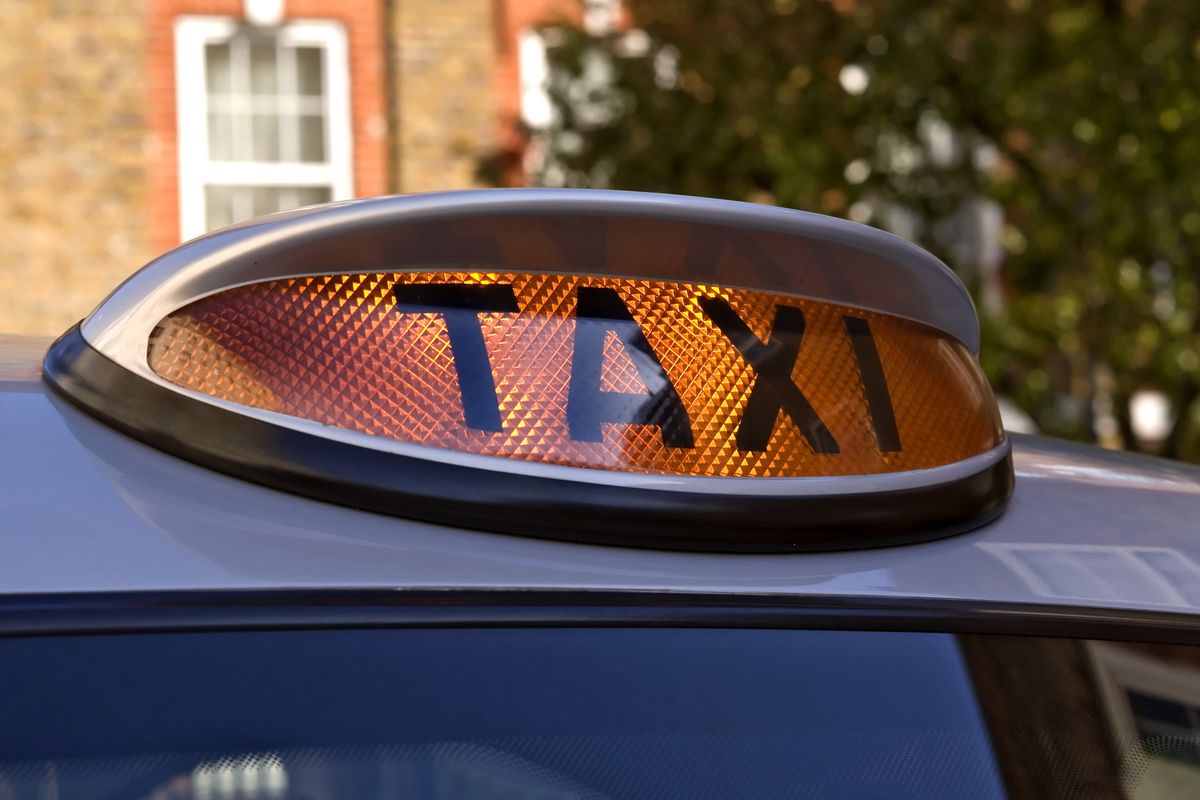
[{"x": 615, "y": 373}]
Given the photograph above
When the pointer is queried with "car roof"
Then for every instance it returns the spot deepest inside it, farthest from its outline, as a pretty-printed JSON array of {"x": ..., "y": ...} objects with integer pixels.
[{"x": 84, "y": 508}]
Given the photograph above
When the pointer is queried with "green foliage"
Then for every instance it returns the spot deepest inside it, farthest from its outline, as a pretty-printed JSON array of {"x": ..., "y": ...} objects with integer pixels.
[{"x": 1077, "y": 119}]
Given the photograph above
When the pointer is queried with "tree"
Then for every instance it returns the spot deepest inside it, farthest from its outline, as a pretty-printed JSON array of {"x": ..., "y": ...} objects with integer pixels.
[{"x": 1047, "y": 151}]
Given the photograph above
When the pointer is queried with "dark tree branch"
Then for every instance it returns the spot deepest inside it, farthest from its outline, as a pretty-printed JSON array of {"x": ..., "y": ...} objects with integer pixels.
[{"x": 1184, "y": 400}]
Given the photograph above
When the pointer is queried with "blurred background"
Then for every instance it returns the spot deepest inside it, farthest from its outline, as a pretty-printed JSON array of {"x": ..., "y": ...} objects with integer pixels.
[{"x": 1047, "y": 151}]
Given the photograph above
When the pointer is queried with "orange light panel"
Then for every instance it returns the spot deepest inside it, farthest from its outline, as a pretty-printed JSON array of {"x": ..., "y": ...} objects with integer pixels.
[{"x": 611, "y": 373}]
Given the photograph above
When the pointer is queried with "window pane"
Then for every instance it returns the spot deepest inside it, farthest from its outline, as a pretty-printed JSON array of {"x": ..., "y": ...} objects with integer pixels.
[
  {"x": 1159, "y": 710},
  {"x": 297, "y": 196},
  {"x": 266, "y": 137},
  {"x": 312, "y": 138},
  {"x": 266, "y": 199},
  {"x": 218, "y": 207},
  {"x": 225, "y": 205},
  {"x": 242, "y": 138},
  {"x": 263, "y": 77},
  {"x": 216, "y": 68},
  {"x": 309, "y": 62},
  {"x": 311, "y": 195},
  {"x": 220, "y": 136},
  {"x": 266, "y": 105}
]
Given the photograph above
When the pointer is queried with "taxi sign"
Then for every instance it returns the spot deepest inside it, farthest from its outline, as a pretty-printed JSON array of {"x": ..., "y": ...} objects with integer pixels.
[
  {"x": 611, "y": 373},
  {"x": 594, "y": 366}
]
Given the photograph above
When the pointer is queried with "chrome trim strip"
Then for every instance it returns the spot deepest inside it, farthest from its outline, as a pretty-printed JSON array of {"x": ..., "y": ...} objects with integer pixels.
[{"x": 354, "y": 235}]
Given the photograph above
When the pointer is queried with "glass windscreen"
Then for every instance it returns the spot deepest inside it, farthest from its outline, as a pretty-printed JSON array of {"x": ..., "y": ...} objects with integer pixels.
[{"x": 595, "y": 713}]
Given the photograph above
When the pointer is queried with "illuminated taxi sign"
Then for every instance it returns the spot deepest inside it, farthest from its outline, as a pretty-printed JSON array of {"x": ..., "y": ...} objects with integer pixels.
[
  {"x": 601, "y": 367},
  {"x": 611, "y": 373}
]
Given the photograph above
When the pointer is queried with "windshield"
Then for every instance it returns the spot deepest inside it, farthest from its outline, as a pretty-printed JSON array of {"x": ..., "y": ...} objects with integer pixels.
[
  {"x": 555, "y": 713},
  {"x": 525, "y": 713}
]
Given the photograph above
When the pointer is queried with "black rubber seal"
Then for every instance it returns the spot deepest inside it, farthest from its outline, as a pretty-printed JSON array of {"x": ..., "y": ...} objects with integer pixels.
[
  {"x": 208, "y": 610},
  {"x": 503, "y": 502}
]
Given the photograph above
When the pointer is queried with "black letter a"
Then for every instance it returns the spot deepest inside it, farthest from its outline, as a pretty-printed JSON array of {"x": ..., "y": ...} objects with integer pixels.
[{"x": 599, "y": 311}]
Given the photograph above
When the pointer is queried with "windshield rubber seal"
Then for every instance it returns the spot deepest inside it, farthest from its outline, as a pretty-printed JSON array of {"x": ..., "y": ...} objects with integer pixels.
[{"x": 181, "y": 611}]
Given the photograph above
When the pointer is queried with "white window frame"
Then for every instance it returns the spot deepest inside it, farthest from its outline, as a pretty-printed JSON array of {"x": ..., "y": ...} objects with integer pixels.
[
  {"x": 1118, "y": 670},
  {"x": 196, "y": 170}
]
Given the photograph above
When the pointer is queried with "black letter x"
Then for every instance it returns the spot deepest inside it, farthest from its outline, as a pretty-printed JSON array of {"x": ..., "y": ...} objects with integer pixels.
[{"x": 773, "y": 387}]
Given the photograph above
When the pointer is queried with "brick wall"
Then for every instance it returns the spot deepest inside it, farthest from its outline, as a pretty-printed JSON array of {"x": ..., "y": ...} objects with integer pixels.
[
  {"x": 88, "y": 149},
  {"x": 73, "y": 202},
  {"x": 444, "y": 54},
  {"x": 364, "y": 24}
]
